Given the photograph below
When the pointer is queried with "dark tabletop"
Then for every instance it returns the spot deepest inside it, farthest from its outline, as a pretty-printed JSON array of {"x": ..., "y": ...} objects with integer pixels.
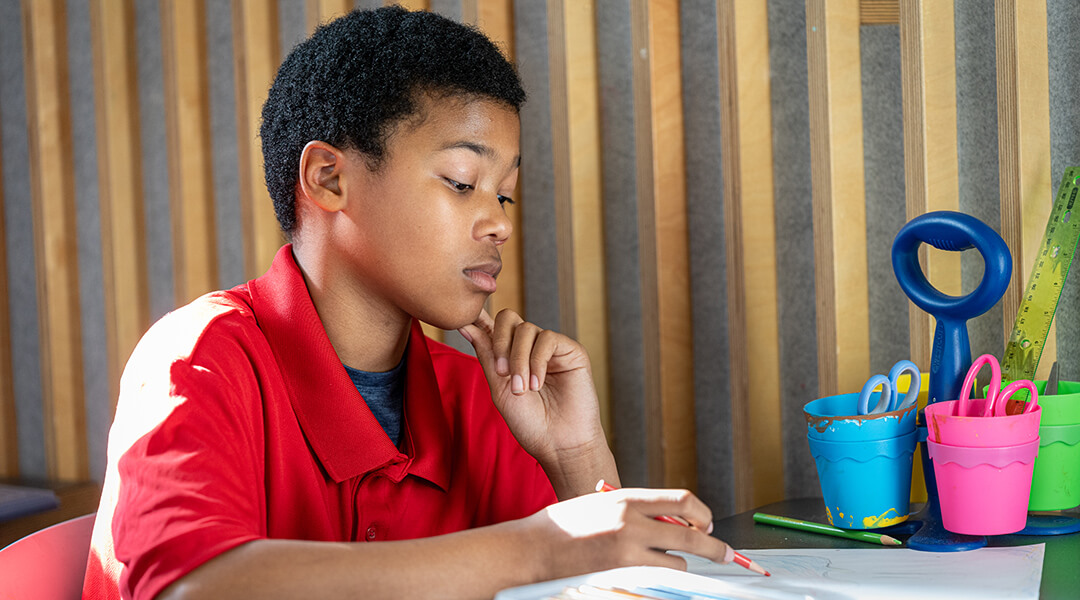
[{"x": 1061, "y": 563}]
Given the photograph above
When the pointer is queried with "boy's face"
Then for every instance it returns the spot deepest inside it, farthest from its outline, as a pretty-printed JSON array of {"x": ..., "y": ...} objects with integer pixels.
[{"x": 425, "y": 232}]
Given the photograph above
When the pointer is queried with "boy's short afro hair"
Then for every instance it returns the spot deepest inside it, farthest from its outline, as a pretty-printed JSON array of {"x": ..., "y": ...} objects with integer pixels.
[{"x": 358, "y": 76}]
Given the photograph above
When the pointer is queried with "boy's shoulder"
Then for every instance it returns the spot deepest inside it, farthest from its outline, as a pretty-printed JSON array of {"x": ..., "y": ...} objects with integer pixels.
[{"x": 214, "y": 317}]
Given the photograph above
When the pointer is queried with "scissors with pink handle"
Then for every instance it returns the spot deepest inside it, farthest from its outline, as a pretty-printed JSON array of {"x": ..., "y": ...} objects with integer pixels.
[{"x": 997, "y": 398}]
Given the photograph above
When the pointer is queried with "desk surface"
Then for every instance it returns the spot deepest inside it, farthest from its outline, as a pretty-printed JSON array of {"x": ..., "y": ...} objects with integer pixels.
[{"x": 1061, "y": 563}]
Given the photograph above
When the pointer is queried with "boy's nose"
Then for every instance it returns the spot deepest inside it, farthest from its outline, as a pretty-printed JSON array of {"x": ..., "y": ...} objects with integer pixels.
[{"x": 495, "y": 223}]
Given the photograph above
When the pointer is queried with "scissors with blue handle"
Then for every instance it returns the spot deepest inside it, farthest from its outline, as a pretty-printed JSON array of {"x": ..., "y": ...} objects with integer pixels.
[
  {"x": 997, "y": 398},
  {"x": 889, "y": 394}
]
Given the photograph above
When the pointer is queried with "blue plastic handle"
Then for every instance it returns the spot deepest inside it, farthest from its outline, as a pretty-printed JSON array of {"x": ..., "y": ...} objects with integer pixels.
[
  {"x": 914, "y": 383},
  {"x": 890, "y": 393},
  {"x": 948, "y": 230},
  {"x": 885, "y": 401}
]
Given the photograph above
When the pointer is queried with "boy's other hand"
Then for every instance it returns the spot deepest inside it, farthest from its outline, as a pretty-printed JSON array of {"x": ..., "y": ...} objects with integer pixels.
[
  {"x": 541, "y": 382},
  {"x": 615, "y": 529}
]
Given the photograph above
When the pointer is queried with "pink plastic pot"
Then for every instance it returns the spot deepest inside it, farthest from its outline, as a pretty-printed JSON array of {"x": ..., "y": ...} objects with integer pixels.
[
  {"x": 945, "y": 427},
  {"x": 983, "y": 491}
]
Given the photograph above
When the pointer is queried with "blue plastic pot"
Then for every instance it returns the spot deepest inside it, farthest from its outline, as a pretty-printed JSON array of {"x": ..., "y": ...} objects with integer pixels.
[{"x": 866, "y": 485}]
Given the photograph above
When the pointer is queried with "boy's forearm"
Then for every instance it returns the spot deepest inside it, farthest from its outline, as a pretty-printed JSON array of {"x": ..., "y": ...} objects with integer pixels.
[{"x": 469, "y": 564}]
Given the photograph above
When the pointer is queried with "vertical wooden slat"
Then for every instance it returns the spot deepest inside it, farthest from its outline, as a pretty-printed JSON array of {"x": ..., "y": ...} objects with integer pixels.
[
  {"x": 834, "y": 72},
  {"x": 496, "y": 19},
  {"x": 931, "y": 180},
  {"x": 55, "y": 252},
  {"x": 412, "y": 4},
  {"x": 257, "y": 54},
  {"x": 127, "y": 294},
  {"x": 665, "y": 278},
  {"x": 324, "y": 11},
  {"x": 576, "y": 158},
  {"x": 9, "y": 441},
  {"x": 187, "y": 116},
  {"x": 1023, "y": 147},
  {"x": 880, "y": 12},
  {"x": 750, "y": 236}
]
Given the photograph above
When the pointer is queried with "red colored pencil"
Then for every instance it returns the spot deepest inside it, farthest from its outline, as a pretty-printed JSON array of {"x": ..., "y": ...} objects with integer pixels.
[{"x": 742, "y": 561}]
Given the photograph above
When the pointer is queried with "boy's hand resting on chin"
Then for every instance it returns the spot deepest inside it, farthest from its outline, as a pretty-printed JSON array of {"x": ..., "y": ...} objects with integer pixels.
[{"x": 541, "y": 382}]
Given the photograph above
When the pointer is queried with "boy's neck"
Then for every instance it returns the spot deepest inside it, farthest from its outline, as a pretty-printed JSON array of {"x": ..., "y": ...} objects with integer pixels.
[{"x": 365, "y": 335}]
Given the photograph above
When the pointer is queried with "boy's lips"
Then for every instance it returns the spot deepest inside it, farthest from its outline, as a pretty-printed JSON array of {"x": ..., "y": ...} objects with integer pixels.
[{"x": 483, "y": 275}]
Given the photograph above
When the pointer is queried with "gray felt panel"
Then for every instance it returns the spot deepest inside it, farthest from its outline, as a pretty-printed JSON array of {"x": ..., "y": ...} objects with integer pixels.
[
  {"x": 19, "y": 253},
  {"x": 230, "y": 233},
  {"x": 537, "y": 169},
  {"x": 98, "y": 405},
  {"x": 1062, "y": 17},
  {"x": 794, "y": 239},
  {"x": 292, "y": 24},
  {"x": 977, "y": 153},
  {"x": 159, "y": 256},
  {"x": 623, "y": 278},
  {"x": 708, "y": 268},
  {"x": 883, "y": 158},
  {"x": 451, "y": 9}
]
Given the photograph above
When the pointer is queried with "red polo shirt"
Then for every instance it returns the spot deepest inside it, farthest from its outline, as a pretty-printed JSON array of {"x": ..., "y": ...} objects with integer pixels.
[{"x": 236, "y": 421}]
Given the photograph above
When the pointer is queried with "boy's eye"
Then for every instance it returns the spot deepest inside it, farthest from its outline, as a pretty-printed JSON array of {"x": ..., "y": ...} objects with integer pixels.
[
  {"x": 504, "y": 200},
  {"x": 461, "y": 187}
]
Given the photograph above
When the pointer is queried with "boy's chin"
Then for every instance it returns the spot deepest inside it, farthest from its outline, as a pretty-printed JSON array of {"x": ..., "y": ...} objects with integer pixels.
[{"x": 457, "y": 321}]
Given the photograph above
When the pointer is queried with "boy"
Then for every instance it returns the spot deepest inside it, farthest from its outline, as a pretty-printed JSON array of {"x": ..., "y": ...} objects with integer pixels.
[{"x": 262, "y": 432}]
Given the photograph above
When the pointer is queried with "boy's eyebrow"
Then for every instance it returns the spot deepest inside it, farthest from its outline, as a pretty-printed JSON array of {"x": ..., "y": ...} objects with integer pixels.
[{"x": 480, "y": 149}]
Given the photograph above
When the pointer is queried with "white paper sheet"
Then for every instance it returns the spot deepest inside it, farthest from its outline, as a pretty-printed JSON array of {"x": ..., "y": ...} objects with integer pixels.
[
  {"x": 821, "y": 574},
  {"x": 1012, "y": 572}
]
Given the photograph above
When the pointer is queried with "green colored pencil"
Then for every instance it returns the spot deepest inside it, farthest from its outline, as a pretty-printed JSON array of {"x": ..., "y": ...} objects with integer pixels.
[{"x": 862, "y": 536}]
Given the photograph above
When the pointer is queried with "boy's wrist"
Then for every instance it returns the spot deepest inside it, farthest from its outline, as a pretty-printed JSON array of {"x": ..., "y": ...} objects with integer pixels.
[{"x": 575, "y": 471}]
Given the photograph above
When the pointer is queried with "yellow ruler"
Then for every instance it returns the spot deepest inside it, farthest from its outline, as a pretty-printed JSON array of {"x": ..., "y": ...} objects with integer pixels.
[{"x": 1025, "y": 346}]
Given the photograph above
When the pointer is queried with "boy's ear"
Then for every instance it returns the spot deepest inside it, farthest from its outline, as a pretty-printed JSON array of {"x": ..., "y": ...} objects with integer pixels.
[{"x": 321, "y": 170}]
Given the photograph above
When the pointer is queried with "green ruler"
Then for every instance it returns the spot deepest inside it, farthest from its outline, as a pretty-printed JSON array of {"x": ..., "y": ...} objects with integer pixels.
[{"x": 1025, "y": 346}]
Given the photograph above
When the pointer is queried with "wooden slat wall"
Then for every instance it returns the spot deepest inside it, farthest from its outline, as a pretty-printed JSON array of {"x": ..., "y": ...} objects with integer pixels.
[
  {"x": 1024, "y": 147},
  {"x": 411, "y": 4},
  {"x": 662, "y": 234},
  {"x": 55, "y": 253},
  {"x": 559, "y": 76},
  {"x": 123, "y": 239},
  {"x": 565, "y": 58},
  {"x": 879, "y": 12},
  {"x": 578, "y": 210},
  {"x": 257, "y": 55},
  {"x": 187, "y": 117},
  {"x": 751, "y": 252},
  {"x": 322, "y": 11},
  {"x": 832, "y": 41},
  {"x": 930, "y": 161}
]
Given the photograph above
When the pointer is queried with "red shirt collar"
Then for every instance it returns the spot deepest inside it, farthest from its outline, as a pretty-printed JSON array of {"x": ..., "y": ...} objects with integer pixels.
[{"x": 339, "y": 427}]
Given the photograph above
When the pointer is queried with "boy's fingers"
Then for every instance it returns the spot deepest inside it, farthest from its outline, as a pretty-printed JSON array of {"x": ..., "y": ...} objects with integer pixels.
[
  {"x": 502, "y": 338},
  {"x": 670, "y": 536},
  {"x": 480, "y": 342},
  {"x": 485, "y": 322},
  {"x": 521, "y": 352},
  {"x": 547, "y": 342},
  {"x": 680, "y": 504},
  {"x": 479, "y": 335}
]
